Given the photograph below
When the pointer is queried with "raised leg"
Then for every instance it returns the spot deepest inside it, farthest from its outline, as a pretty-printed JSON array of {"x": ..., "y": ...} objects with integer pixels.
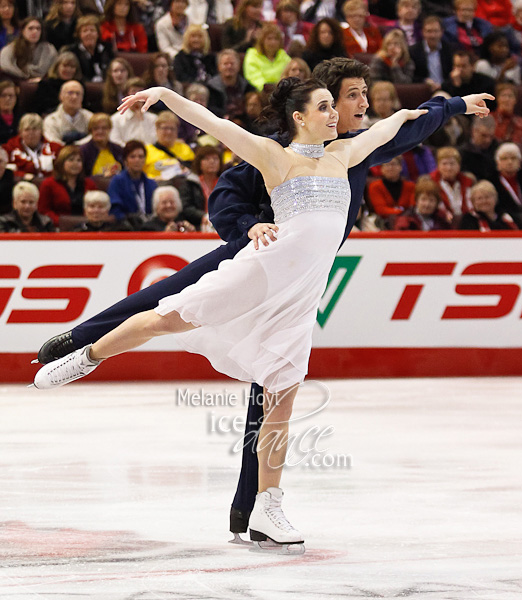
[
  {"x": 97, "y": 326},
  {"x": 137, "y": 330}
]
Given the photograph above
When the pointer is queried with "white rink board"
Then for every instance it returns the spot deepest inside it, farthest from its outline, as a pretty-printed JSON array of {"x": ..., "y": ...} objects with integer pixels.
[{"x": 356, "y": 313}]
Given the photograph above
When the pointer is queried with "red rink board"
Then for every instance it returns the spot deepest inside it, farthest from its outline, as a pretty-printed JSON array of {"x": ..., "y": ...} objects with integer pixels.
[{"x": 411, "y": 305}]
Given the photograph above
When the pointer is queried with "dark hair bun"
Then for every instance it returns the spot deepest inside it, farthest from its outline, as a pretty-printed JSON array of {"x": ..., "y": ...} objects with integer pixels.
[
  {"x": 290, "y": 95},
  {"x": 282, "y": 92}
]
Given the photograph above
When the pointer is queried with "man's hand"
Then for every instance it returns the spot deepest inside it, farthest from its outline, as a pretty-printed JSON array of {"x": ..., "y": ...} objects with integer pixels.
[
  {"x": 456, "y": 77},
  {"x": 262, "y": 231},
  {"x": 434, "y": 86},
  {"x": 476, "y": 105}
]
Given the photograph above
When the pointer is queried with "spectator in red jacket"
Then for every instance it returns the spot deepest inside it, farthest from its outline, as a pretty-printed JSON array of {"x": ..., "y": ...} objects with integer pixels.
[
  {"x": 359, "y": 36},
  {"x": 425, "y": 215},
  {"x": 391, "y": 195},
  {"x": 122, "y": 29},
  {"x": 62, "y": 194},
  {"x": 498, "y": 12},
  {"x": 30, "y": 153},
  {"x": 454, "y": 186},
  {"x": 295, "y": 32},
  {"x": 509, "y": 125}
]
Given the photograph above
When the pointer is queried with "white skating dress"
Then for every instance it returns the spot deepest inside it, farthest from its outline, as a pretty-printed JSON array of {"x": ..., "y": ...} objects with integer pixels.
[{"x": 256, "y": 312}]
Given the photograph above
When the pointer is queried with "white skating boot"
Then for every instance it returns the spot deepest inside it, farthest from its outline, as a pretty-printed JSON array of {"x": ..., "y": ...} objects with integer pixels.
[
  {"x": 66, "y": 369},
  {"x": 269, "y": 528}
]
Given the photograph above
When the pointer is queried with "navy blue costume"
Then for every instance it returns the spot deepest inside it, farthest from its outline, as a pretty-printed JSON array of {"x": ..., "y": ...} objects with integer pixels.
[{"x": 238, "y": 202}]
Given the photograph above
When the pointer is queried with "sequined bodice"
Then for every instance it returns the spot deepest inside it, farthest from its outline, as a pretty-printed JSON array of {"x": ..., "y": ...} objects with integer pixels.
[{"x": 310, "y": 193}]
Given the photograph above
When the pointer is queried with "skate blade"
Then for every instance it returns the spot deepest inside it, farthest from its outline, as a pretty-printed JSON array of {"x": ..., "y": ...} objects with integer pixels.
[
  {"x": 271, "y": 547},
  {"x": 239, "y": 541}
]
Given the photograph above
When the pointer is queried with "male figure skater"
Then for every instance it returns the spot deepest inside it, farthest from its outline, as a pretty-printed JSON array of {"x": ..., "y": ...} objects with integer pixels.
[{"x": 240, "y": 211}]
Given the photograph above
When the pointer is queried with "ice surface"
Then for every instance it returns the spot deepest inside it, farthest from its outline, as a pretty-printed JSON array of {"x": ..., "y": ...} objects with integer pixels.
[{"x": 122, "y": 492}]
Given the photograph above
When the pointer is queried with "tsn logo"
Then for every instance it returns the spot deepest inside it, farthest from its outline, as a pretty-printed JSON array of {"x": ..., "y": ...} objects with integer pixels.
[
  {"x": 507, "y": 293},
  {"x": 75, "y": 296}
]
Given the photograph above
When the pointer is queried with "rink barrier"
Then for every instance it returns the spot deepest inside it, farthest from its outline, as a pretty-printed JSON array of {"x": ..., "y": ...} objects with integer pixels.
[{"x": 398, "y": 304}]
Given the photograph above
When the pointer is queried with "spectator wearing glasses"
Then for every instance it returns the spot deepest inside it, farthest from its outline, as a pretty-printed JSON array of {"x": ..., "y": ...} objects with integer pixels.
[
  {"x": 30, "y": 152},
  {"x": 69, "y": 122},
  {"x": 6, "y": 183},
  {"x": 164, "y": 157},
  {"x": 9, "y": 117}
]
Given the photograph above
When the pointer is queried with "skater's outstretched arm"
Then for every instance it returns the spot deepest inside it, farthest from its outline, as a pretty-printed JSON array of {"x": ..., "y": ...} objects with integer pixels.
[
  {"x": 353, "y": 151},
  {"x": 261, "y": 152},
  {"x": 413, "y": 133}
]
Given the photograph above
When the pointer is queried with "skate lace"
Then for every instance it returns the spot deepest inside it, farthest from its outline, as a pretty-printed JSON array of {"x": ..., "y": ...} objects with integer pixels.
[
  {"x": 69, "y": 368},
  {"x": 277, "y": 516}
]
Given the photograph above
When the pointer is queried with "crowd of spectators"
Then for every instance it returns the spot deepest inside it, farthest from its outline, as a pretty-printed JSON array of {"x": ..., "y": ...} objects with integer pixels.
[{"x": 70, "y": 161}]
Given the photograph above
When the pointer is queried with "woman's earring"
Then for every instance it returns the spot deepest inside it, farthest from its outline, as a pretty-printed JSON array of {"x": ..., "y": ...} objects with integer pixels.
[{"x": 302, "y": 124}]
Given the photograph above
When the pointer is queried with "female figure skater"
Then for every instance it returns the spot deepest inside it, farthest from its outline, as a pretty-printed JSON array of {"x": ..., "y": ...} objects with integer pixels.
[{"x": 253, "y": 317}]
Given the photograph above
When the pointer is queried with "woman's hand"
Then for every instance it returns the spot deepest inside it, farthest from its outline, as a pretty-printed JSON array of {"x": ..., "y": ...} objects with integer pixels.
[
  {"x": 258, "y": 232},
  {"x": 476, "y": 105},
  {"x": 411, "y": 115},
  {"x": 148, "y": 97}
]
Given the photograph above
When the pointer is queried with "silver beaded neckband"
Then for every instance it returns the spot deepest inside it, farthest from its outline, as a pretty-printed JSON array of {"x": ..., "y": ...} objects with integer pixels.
[{"x": 308, "y": 150}]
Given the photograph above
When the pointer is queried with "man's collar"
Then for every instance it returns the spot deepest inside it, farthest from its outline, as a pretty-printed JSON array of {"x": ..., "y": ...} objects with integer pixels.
[{"x": 428, "y": 49}]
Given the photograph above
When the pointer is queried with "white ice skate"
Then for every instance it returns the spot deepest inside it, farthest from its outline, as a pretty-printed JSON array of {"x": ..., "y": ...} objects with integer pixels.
[
  {"x": 66, "y": 369},
  {"x": 270, "y": 529}
]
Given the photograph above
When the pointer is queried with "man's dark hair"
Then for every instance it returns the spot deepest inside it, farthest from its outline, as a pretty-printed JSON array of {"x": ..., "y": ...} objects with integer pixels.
[
  {"x": 466, "y": 53},
  {"x": 432, "y": 19},
  {"x": 132, "y": 145},
  {"x": 334, "y": 70}
]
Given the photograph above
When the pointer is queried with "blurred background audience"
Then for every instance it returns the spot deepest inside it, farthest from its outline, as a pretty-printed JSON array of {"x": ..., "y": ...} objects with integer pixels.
[{"x": 72, "y": 61}]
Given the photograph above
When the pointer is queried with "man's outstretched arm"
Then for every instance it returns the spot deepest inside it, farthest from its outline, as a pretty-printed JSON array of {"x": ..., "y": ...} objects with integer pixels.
[{"x": 413, "y": 133}]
